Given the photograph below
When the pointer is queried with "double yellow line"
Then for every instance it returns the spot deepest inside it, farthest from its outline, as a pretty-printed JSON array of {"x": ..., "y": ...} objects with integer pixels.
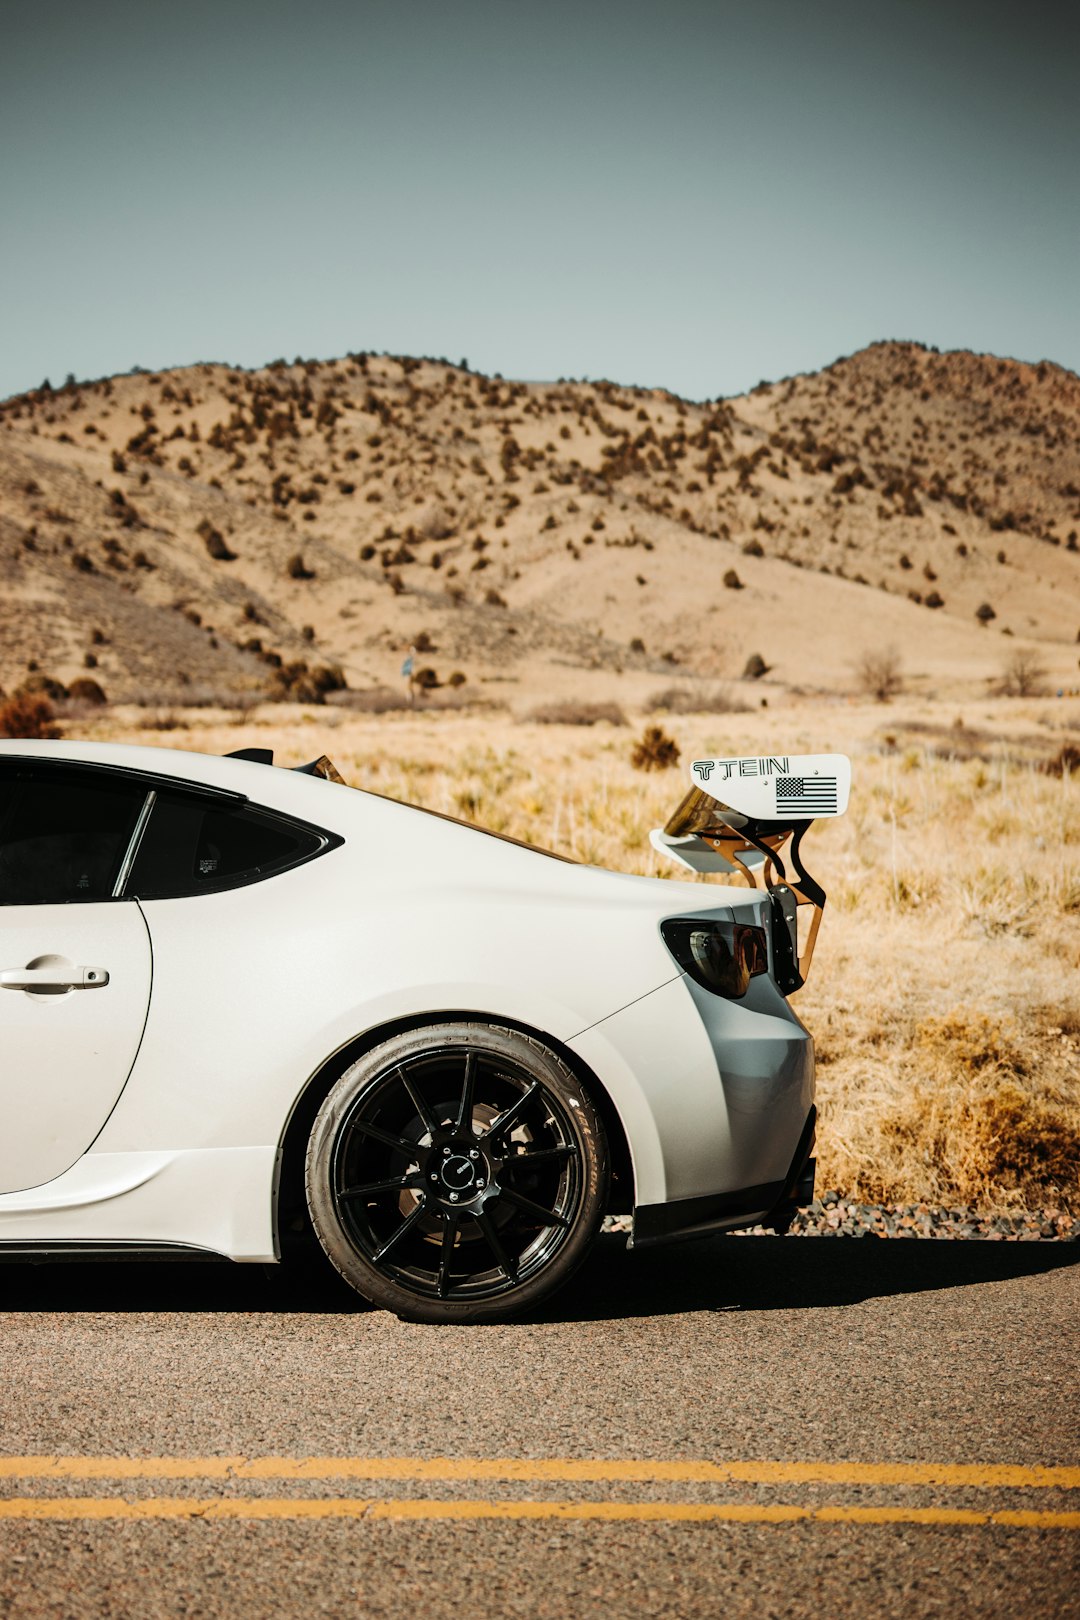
[{"x": 518, "y": 1470}]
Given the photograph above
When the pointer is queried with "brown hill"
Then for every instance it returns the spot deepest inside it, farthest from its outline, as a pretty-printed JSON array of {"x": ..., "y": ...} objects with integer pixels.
[{"x": 209, "y": 532}]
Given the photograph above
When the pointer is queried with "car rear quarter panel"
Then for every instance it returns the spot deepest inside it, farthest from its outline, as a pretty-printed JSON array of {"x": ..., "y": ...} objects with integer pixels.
[
  {"x": 714, "y": 1093},
  {"x": 256, "y": 987}
]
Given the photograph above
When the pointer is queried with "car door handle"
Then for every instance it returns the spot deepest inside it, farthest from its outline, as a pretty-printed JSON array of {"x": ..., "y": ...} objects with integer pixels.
[{"x": 53, "y": 978}]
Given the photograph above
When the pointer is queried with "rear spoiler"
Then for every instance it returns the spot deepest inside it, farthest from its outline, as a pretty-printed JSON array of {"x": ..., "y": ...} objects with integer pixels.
[
  {"x": 322, "y": 766},
  {"x": 739, "y": 817}
]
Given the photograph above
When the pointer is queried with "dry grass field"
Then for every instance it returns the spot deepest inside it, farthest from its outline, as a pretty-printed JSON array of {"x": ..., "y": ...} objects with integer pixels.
[{"x": 945, "y": 993}]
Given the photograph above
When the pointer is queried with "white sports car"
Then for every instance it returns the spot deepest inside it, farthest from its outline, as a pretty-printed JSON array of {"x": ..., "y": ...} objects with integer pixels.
[{"x": 241, "y": 1006}]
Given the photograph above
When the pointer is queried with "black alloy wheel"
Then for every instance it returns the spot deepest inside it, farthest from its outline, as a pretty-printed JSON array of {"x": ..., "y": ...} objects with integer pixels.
[{"x": 457, "y": 1173}]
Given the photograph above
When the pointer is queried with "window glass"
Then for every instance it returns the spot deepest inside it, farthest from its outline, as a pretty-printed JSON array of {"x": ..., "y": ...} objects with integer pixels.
[
  {"x": 63, "y": 833},
  {"x": 194, "y": 846}
]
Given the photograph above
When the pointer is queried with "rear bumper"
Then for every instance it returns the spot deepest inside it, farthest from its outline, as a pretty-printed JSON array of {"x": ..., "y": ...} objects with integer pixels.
[
  {"x": 713, "y": 1095},
  {"x": 770, "y": 1204}
]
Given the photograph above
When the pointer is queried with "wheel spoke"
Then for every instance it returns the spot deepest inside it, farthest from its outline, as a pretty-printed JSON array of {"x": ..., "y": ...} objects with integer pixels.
[
  {"x": 547, "y": 1217},
  {"x": 395, "y": 1237},
  {"x": 446, "y": 1254},
  {"x": 512, "y": 1221},
  {"x": 464, "y": 1119},
  {"x": 541, "y": 1156},
  {"x": 491, "y": 1237},
  {"x": 400, "y": 1142},
  {"x": 391, "y": 1184},
  {"x": 510, "y": 1116},
  {"x": 430, "y": 1123}
]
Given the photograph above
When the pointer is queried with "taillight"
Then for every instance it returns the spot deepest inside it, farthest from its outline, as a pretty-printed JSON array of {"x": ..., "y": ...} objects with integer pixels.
[{"x": 720, "y": 956}]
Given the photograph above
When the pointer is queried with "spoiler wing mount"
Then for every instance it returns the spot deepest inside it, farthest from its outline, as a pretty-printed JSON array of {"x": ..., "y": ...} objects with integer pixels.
[{"x": 741, "y": 815}]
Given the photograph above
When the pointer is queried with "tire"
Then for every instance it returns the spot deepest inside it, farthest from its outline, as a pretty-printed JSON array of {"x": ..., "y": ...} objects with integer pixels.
[{"x": 417, "y": 1179}]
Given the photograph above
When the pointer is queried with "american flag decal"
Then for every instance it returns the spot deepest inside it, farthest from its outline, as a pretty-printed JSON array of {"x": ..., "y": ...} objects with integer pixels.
[{"x": 816, "y": 795}]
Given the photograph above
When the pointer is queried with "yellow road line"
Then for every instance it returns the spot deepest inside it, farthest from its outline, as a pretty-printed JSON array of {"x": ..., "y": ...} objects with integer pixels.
[
  {"x": 1006, "y": 1476},
  {"x": 76, "y": 1508}
]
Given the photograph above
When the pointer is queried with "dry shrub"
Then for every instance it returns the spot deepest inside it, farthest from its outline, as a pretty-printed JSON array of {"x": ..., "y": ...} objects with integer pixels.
[
  {"x": 1023, "y": 674},
  {"x": 572, "y": 712},
  {"x": 27, "y": 715},
  {"x": 385, "y": 700},
  {"x": 86, "y": 690},
  {"x": 214, "y": 541},
  {"x": 878, "y": 672},
  {"x": 654, "y": 751},
  {"x": 160, "y": 720},
  {"x": 376, "y": 700},
  {"x": 1064, "y": 763},
  {"x": 681, "y": 700},
  {"x": 41, "y": 685},
  {"x": 976, "y": 1127},
  {"x": 299, "y": 682},
  {"x": 968, "y": 1043}
]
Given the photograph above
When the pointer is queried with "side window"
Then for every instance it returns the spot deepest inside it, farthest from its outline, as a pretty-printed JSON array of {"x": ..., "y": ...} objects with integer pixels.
[
  {"x": 193, "y": 845},
  {"x": 63, "y": 833}
]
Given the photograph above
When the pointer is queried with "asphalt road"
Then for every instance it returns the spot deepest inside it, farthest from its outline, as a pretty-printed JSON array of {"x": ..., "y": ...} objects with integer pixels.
[{"x": 819, "y": 1427}]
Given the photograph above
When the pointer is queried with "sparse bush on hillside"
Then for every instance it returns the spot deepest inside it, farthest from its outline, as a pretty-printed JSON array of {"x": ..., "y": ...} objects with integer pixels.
[
  {"x": 1066, "y": 762},
  {"x": 215, "y": 542},
  {"x": 754, "y": 668},
  {"x": 654, "y": 751},
  {"x": 878, "y": 672},
  {"x": 39, "y": 684},
  {"x": 984, "y": 613},
  {"x": 296, "y": 568},
  {"x": 28, "y": 716},
  {"x": 297, "y": 682},
  {"x": 572, "y": 712},
  {"x": 377, "y": 700},
  {"x": 1023, "y": 674},
  {"x": 732, "y": 580},
  {"x": 687, "y": 700},
  {"x": 85, "y": 690}
]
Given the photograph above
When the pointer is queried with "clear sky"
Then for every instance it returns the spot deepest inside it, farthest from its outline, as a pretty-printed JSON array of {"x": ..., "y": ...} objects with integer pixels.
[{"x": 691, "y": 194}]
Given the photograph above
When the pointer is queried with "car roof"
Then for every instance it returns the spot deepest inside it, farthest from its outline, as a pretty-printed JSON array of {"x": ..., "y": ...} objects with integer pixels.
[
  {"x": 305, "y": 792},
  {"x": 293, "y": 791}
]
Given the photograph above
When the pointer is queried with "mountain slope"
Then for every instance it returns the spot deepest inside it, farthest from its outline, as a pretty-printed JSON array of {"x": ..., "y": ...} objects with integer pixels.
[{"x": 189, "y": 532}]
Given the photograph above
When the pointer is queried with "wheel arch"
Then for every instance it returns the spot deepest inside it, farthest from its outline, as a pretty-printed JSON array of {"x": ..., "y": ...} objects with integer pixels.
[{"x": 292, "y": 1229}]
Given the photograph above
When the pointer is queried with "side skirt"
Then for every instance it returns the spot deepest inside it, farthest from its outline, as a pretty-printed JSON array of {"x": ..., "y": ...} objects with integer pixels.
[{"x": 42, "y": 1254}]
